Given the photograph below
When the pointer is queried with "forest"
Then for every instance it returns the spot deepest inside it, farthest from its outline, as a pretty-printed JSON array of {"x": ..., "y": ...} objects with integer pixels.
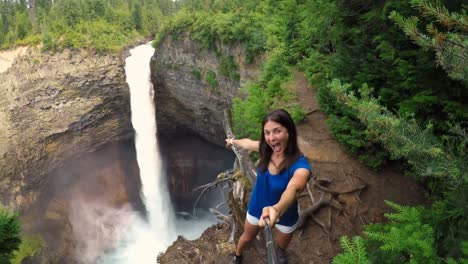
[{"x": 392, "y": 76}]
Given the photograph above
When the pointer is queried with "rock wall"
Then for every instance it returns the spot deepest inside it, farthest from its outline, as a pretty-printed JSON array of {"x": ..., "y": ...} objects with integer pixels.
[
  {"x": 184, "y": 94},
  {"x": 54, "y": 107},
  {"x": 191, "y": 162}
]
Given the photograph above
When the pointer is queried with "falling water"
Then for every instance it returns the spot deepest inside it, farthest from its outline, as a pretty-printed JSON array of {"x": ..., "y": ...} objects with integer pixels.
[{"x": 148, "y": 237}]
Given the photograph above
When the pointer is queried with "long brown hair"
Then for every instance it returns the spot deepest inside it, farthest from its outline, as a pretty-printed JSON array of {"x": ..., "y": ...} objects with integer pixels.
[{"x": 291, "y": 152}]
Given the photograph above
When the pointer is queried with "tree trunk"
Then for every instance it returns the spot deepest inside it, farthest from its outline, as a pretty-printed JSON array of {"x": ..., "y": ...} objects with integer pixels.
[{"x": 32, "y": 13}]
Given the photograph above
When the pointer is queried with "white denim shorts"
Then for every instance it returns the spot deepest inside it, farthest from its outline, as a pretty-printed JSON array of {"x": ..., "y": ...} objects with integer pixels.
[{"x": 282, "y": 228}]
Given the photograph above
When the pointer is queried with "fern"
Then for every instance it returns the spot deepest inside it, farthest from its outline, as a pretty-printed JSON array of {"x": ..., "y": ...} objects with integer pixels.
[{"x": 353, "y": 252}]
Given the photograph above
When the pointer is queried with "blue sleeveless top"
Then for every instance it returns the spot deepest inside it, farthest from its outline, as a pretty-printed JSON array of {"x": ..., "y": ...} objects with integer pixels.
[{"x": 269, "y": 188}]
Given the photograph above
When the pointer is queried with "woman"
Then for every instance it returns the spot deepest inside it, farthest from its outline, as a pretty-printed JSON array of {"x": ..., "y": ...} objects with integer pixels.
[{"x": 282, "y": 175}]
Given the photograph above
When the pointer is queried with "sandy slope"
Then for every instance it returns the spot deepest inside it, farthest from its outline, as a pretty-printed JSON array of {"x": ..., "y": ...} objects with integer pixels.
[{"x": 8, "y": 56}]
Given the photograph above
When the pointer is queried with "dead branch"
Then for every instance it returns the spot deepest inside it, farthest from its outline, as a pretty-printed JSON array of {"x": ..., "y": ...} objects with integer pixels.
[
  {"x": 188, "y": 260},
  {"x": 221, "y": 204},
  {"x": 246, "y": 165},
  {"x": 220, "y": 215},
  {"x": 233, "y": 230},
  {"x": 311, "y": 112},
  {"x": 222, "y": 177}
]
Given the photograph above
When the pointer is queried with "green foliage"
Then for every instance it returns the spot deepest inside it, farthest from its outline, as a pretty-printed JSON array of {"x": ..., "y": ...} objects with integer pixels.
[
  {"x": 9, "y": 234},
  {"x": 71, "y": 10},
  {"x": 357, "y": 43},
  {"x": 407, "y": 238},
  {"x": 104, "y": 25},
  {"x": 137, "y": 17},
  {"x": 402, "y": 138},
  {"x": 268, "y": 94},
  {"x": 349, "y": 130},
  {"x": 228, "y": 27},
  {"x": 451, "y": 45},
  {"x": 196, "y": 73},
  {"x": 29, "y": 247},
  {"x": 254, "y": 103},
  {"x": 229, "y": 67},
  {"x": 249, "y": 112},
  {"x": 211, "y": 79},
  {"x": 354, "y": 252},
  {"x": 442, "y": 166}
]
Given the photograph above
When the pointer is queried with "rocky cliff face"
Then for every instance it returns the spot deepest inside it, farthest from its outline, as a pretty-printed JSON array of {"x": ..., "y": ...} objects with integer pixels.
[
  {"x": 53, "y": 107},
  {"x": 193, "y": 85},
  {"x": 60, "y": 165}
]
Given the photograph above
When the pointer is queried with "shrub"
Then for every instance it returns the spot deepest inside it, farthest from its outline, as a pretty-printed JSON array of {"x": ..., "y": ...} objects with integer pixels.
[
  {"x": 29, "y": 247},
  {"x": 9, "y": 234}
]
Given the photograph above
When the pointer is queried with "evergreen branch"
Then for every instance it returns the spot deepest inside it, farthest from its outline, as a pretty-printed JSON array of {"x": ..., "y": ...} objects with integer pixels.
[
  {"x": 438, "y": 11},
  {"x": 402, "y": 138}
]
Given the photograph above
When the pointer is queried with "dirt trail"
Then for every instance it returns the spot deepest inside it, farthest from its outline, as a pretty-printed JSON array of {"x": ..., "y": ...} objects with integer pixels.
[{"x": 330, "y": 162}]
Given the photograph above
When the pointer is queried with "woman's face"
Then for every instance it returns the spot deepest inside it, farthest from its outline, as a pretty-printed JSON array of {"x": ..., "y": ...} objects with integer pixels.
[{"x": 276, "y": 136}]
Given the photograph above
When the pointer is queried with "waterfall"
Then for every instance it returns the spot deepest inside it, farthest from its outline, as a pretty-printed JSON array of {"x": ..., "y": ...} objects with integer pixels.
[
  {"x": 154, "y": 190},
  {"x": 145, "y": 238}
]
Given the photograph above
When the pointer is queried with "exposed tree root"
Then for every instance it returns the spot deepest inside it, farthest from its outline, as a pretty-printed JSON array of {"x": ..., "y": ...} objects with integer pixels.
[{"x": 328, "y": 198}]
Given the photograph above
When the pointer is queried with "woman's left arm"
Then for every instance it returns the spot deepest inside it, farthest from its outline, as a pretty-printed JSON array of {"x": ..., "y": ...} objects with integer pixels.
[{"x": 295, "y": 186}]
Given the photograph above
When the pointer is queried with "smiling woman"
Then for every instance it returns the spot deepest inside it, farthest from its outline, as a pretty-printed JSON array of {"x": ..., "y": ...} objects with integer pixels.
[{"x": 282, "y": 174}]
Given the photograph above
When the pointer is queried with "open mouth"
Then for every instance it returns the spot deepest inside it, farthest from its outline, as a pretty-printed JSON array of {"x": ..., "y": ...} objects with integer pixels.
[{"x": 276, "y": 147}]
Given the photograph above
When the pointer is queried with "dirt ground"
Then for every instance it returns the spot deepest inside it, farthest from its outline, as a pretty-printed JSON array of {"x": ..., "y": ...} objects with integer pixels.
[{"x": 357, "y": 189}]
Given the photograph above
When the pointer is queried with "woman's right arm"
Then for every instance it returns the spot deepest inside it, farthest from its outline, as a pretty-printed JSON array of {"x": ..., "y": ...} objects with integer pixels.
[{"x": 244, "y": 143}]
